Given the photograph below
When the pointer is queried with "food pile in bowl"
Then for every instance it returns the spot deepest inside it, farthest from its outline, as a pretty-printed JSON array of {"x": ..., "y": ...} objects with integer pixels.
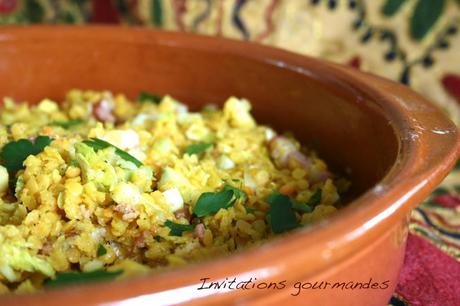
[{"x": 101, "y": 187}]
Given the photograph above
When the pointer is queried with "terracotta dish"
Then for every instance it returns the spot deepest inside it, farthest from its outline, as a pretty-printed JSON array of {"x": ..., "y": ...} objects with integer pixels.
[{"x": 394, "y": 145}]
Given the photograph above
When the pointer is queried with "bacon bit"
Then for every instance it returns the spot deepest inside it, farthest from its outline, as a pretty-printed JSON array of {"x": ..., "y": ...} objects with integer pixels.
[
  {"x": 199, "y": 231},
  {"x": 127, "y": 211},
  {"x": 103, "y": 109},
  {"x": 287, "y": 189},
  {"x": 139, "y": 242},
  {"x": 46, "y": 248},
  {"x": 447, "y": 200},
  {"x": 183, "y": 213}
]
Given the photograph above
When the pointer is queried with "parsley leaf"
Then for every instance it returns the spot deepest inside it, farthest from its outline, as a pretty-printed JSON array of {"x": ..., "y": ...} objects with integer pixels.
[
  {"x": 66, "y": 278},
  {"x": 282, "y": 217},
  {"x": 177, "y": 229},
  {"x": 238, "y": 193},
  {"x": 302, "y": 207},
  {"x": 211, "y": 202},
  {"x": 145, "y": 96},
  {"x": 14, "y": 153},
  {"x": 197, "y": 148},
  {"x": 308, "y": 207},
  {"x": 99, "y": 144},
  {"x": 101, "y": 250},
  {"x": 315, "y": 199},
  {"x": 67, "y": 124}
]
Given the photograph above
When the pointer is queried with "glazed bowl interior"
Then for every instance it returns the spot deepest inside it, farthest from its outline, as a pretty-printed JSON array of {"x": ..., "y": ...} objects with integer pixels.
[{"x": 339, "y": 121}]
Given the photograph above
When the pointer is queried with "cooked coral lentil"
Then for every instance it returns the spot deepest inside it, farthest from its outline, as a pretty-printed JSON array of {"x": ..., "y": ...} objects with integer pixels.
[{"x": 107, "y": 187}]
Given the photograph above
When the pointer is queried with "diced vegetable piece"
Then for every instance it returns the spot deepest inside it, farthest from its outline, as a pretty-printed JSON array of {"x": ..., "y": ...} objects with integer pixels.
[
  {"x": 99, "y": 144},
  {"x": 174, "y": 198},
  {"x": 237, "y": 111},
  {"x": 225, "y": 163},
  {"x": 93, "y": 167},
  {"x": 126, "y": 193},
  {"x": 48, "y": 106},
  {"x": 123, "y": 139},
  {"x": 17, "y": 258}
]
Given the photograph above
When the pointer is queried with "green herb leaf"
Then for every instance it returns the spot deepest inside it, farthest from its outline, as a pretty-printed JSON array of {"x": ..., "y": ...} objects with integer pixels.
[
  {"x": 238, "y": 193},
  {"x": 425, "y": 15},
  {"x": 302, "y": 207},
  {"x": 14, "y": 153},
  {"x": 282, "y": 217},
  {"x": 101, "y": 250},
  {"x": 67, "y": 124},
  {"x": 145, "y": 96},
  {"x": 211, "y": 202},
  {"x": 99, "y": 144},
  {"x": 197, "y": 148},
  {"x": 458, "y": 2},
  {"x": 177, "y": 229},
  {"x": 250, "y": 210},
  {"x": 391, "y": 7},
  {"x": 315, "y": 199},
  {"x": 66, "y": 278},
  {"x": 157, "y": 13}
]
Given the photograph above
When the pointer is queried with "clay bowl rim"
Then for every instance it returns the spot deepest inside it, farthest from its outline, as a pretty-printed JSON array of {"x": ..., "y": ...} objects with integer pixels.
[{"x": 406, "y": 184}]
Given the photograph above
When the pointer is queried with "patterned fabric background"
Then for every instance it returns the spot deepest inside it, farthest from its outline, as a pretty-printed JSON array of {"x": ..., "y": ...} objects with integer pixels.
[{"x": 416, "y": 42}]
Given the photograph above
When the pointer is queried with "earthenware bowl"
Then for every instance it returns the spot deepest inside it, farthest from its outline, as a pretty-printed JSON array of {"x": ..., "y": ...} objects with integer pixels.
[{"x": 394, "y": 145}]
